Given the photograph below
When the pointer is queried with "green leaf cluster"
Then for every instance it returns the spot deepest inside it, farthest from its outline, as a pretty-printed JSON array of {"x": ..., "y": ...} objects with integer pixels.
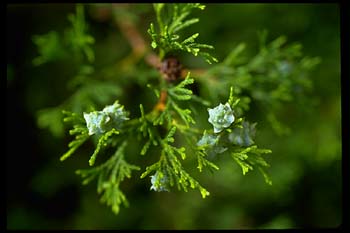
[
  {"x": 77, "y": 36},
  {"x": 49, "y": 46},
  {"x": 79, "y": 130},
  {"x": 175, "y": 95},
  {"x": 110, "y": 173},
  {"x": 109, "y": 176},
  {"x": 277, "y": 74},
  {"x": 171, "y": 19},
  {"x": 170, "y": 166},
  {"x": 161, "y": 126},
  {"x": 76, "y": 40},
  {"x": 235, "y": 140}
]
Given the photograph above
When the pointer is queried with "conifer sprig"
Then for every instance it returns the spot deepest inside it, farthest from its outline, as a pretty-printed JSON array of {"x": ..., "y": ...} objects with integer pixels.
[
  {"x": 109, "y": 176},
  {"x": 171, "y": 19},
  {"x": 272, "y": 77}
]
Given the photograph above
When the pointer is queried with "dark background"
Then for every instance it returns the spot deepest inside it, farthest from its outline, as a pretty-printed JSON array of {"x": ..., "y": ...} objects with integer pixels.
[{"x": 43, "y": 193}]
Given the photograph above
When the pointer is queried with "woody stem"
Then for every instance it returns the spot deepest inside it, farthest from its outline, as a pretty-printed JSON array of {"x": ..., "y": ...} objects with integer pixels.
[{"x": 160, "y": 106}]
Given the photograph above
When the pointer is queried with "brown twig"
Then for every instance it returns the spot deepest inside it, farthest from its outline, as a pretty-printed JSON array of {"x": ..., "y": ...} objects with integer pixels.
[
  {"x": 128, "y": 29},
  {"x": 136, "y": 41},
  {"x": 160, "y": 106}
]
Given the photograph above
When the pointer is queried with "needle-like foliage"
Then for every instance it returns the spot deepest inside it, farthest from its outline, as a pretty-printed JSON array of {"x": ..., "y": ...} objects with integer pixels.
[
  {"x": 171, "y": 19},
  {"x": 168, "y": 133}
]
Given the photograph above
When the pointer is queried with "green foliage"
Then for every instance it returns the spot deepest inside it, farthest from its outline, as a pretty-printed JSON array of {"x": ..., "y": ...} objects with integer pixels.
[
  {"x": 102, "y": 142},
  {"x": 88, "y": 96},
  {"x": 49, "y": 47},
  {"x": 306, "y": 161},
  {"x": 171, "y": 19},
  {"x": 79, "y": 130},
  {"x": 180, "y": 93},
  {"x": 232, "y": 136},
  {"x": 103, "y": 124},
  {"x": 251, "y": 156},
  {"x": 203, "y": 162},
  {"x": 51, "y": 118},
  {"x": 77, "y": 36},
  {"x": 277, "y": 74},
  {"x": 170, "y": 166},
  {"x": 176, "y": 94},
  {"x": 146, "y": 129},
  {"x": 76, "y": 41},
  {"x": 109, "y": 175}
]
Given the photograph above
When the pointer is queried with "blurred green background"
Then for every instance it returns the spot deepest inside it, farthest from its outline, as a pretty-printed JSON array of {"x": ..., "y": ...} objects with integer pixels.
[{"x": 43, "y": 193}]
